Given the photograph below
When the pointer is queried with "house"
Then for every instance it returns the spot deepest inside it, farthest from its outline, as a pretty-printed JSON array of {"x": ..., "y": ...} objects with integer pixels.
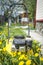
[{"x": 39, "y": 16}]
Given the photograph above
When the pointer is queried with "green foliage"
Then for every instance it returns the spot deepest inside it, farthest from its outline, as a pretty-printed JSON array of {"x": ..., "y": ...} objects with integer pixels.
[
  {"x": 14, "y": 58},
  {"x": 5, "y": 58},
  {"x": 3, "y": 44},
  {"x": 31, "y": 6},
  {"x": 1, "y": 28}
]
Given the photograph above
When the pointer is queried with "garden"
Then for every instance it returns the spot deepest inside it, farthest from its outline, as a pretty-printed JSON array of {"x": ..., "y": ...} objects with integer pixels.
[
  {"x": 9, "y": 57},
  {"x": 14, "y": 14}
]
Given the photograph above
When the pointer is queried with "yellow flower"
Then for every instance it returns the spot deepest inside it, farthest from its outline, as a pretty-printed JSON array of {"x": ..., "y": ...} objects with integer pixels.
[
  {"x": 39, "y": 49},
  {"x": 31, "y": 52},
  {"x": 19, "y": 53},
  {"x": 25, "y": 57},
  {"x": 8, "y": 46},
  {"x": 0, "y": 42},
  {"x": 21, "y": 56},
  {"x": 14, "y": 54},
  {"x": 36, "y": 54},
  {"x": 41, "y": 58},
  {"x": 28, "y": 62},
  {"x": 21, "y": 63},
  {"x": 4, "y": 49}
]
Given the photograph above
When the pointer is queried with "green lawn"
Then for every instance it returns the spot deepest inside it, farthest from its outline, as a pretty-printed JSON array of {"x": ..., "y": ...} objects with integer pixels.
[
  {"x": 12, "y": 31},
  {"x": 16, "y": 31}
]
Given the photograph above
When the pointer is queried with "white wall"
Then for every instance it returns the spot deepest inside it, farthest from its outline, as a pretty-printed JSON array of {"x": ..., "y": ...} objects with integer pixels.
[{"x": 39, "y": 10}]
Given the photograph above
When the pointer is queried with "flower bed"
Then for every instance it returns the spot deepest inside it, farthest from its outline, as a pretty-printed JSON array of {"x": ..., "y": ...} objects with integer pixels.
[{"x": 32, "y": 57}]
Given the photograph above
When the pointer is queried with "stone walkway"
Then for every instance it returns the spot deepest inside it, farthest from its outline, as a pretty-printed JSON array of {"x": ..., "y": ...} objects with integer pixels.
[{"x": 35, "y": 36}]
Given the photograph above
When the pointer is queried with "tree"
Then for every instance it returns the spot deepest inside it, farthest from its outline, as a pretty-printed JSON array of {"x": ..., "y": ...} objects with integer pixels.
[
  {"x": 8, "y": 5},
  {"x": 31, "y": 6}
]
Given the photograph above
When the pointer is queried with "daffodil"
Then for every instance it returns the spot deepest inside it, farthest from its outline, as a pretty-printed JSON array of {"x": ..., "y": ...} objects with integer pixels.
[
  {"x": 31, "y": 52},
  {"x": 28, "y": 62},
  {"x": 21, "y": 63},
  {"x": 41, "y": 58},
  {"x": 8, "y": 46},
  {"x": 25, "y": 57},
  {"x": 21, "y": 56},
  {"x": 19, "y": 53},
  {"x": 4, "y": 49},
  {"x": 36, "y": 55},
  {"x": 14, "y": 54},
  {"x": 0, "y": 42}
]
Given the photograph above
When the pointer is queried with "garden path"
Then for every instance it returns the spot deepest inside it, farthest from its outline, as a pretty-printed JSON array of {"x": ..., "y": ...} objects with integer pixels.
[{"x": 35, "y": 35}]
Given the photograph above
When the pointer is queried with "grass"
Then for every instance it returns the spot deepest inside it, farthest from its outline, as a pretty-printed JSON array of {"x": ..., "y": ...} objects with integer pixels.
[
  {"x": 4, "y": 30},
  {"x": 17, "y": 31},
  {"x": 17, "y": 24},
  {"x": 12, "y": 31}
]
